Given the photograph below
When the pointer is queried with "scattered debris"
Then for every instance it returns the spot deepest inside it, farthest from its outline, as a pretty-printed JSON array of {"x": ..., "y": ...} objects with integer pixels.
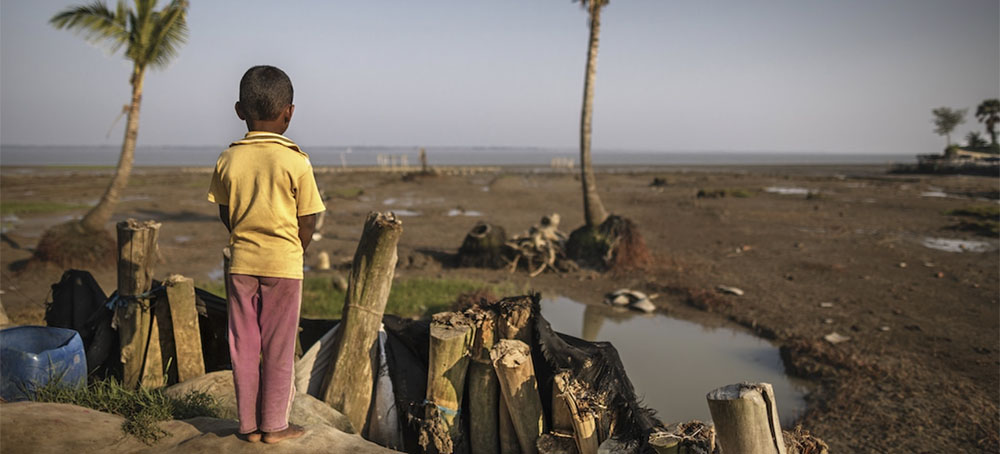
[
  {"x": 730, "y": 290},
  {"x": 835, "y": 338},
  {"x": 939, "y": 274},
  {"x": 634, "y": 299},
  {"x": 826, "y": 305},
  {"x": 828, "y": 321},
  {"x": 902, "y": 264},
  {"x": 541, "y": 247},
  {"x": 884, "y": 328}
]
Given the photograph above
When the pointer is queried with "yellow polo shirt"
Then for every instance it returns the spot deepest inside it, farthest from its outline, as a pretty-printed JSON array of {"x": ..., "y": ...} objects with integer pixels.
[{"x": 267, "y": 182}]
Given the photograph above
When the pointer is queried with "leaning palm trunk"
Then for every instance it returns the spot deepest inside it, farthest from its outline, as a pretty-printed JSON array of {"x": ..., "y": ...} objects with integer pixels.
[
  {"x": 98, "y": 216},
  {"x": 593, "y": 209}
]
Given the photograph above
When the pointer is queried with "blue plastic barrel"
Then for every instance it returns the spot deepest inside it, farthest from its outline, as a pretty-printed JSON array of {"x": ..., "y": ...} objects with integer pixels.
[{"x": 33, "y": 356}]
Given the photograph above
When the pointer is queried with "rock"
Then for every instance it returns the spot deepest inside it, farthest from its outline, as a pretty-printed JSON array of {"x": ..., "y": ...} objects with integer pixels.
[
  {"x": 33, "y": 427},
  {"x": 730, "y": 290},
  {"x": 306, "y": 409},
  {"x": 835, "y": 338}
]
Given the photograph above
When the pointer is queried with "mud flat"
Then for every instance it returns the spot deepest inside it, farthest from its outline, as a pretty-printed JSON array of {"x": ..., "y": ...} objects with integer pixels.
[{"x": 816, "y": 250}]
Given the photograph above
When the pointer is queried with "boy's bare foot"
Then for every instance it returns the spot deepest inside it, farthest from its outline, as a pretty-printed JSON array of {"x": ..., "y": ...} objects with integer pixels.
[
  {"x": 289, "y": 433},
  {"x": 255, "y": 436}
]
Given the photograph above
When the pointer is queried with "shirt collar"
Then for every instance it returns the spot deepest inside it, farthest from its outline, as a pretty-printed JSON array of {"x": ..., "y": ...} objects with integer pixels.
[{"x": 253, "y": 137}]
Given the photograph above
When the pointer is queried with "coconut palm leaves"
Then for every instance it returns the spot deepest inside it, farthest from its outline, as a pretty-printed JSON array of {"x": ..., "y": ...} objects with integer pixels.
[
  {"x": 988, "y": 112},
  {"x": 151, "y": 39}
]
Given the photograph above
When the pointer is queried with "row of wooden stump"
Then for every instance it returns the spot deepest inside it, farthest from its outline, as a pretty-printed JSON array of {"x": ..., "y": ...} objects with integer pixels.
[{"x": 484, "y": 353}]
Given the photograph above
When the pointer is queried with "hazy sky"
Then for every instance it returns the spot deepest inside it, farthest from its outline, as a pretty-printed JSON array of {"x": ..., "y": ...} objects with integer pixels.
[{"x": 837, "y": 76}]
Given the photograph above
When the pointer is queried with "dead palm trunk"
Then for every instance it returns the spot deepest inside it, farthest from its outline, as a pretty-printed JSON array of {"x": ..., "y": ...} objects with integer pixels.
[
  {"x": 593, "y": 209},
  {"x": 98, "y": 216}
]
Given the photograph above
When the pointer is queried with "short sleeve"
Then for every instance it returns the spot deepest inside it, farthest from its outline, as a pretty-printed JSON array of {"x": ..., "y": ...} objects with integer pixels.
[
  {"x": 217, "y": 192},
  {"x": 307, "y": 198}
]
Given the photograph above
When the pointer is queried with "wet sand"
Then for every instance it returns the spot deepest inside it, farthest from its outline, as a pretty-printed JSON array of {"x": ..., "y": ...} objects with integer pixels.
[{"x": 920, "y": 372}]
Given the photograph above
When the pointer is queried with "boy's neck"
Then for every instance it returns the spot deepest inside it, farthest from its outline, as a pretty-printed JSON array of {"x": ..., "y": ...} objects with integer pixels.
[{"x": 273, "y": 126}]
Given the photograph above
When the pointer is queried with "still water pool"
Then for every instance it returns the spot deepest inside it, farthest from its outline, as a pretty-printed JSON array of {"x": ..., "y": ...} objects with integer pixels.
[{"x": 673, "y": 363}]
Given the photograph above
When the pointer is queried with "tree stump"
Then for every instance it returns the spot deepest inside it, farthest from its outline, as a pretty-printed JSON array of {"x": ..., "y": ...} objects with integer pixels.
[
  {"x": 349, "y": 381},
  {"x": 483, "y": 247},
  {"x": 746, "y": 419},
  {"x": 136, "y": 256},
  {"x": 516, "y": 373},
  {"x": 582, "y": 420}
]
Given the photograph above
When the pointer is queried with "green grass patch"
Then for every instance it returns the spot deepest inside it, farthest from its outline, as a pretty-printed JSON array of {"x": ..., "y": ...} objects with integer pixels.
[
  {"x": 345, "y": 193},
  {"x": 980, "y": 219},
  {"x": 142, "y": 408},
  {"x": 980, "y": 211},
  {"x": 414, "y": 297},
  {"x": 19, "y": 207}
]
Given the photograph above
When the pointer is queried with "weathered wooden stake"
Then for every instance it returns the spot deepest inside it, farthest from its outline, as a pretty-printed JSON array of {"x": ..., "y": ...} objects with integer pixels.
[
  {"x": 746, "y": 418},
  {"x": 512, "y": 322},
  {"x": 516, "y": 373},
  {"x": 484, "y": 389},
  {"x": 349, "y": 381},
  {"x": 507, "y": 435},
  {"x": 136, "y": 255},
  {"x": 584, "y": 425},
  {"x": 186, "y": 332},
  {"x": 451, "y": 337}
]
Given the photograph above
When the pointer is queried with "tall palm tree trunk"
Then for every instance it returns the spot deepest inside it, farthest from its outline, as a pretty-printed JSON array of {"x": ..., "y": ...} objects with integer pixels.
[
  {"x": 98, "y": 216},
  {"x": 593, "y": 209}
]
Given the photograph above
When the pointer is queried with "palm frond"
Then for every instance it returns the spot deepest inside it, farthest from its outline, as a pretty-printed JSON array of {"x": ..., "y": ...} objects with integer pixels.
[
  {"x": 167, "y": 33},
  {"x": 96, "y": 23}
]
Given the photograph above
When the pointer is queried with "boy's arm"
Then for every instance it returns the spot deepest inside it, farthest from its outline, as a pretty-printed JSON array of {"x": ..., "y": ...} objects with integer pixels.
[
  {"x": 224, "y": 215},
  {"x": 307, "y": 226}
]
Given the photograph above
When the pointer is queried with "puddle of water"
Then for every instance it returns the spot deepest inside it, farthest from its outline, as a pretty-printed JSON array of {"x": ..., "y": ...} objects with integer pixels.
[
  {"x": 182, "y": 239},
  {"x": 458, "y": 212},
  {"x": 406, "y": 213},
  {"x": 673, "y": 363},
  {"x": 933, "y": 194},
  {"x": 786, "y": 190},
  {"x": 389, "y": 201},
  {"x": 950, "y": 245}
]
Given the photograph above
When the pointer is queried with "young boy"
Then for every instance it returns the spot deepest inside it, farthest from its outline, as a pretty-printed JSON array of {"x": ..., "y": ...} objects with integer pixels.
[{"x": 268, "y": 200}]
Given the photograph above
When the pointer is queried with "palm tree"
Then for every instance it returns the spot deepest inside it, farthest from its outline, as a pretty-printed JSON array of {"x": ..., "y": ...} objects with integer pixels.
[
  {"x": 593, "y": 209},
  {"x": 989, "y": 112},
  {"x": 151, "y": 39}
]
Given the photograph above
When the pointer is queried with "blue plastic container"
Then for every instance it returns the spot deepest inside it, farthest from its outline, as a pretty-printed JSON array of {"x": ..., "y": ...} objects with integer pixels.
[{"x": 33, "y": 356}]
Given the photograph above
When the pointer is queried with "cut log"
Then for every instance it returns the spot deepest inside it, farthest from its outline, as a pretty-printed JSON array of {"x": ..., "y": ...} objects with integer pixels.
[
  {"x": 513, "y": 322},
  {"x": 484, "y": 389},
  {"x": 349, "y": 381},
  {"x": 746, "y": 419},
  {"x": 516, "y": 373},
  {"x": 582, "y": 420},
  {"x": 451, "y": 337},
  {"x": 186, "y": 331},
  {"x": 136, "y": 256},
  {"x": 507, "y": 435}
]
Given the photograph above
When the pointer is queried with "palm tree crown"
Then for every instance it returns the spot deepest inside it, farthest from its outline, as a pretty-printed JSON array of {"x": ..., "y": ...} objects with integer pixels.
[
  {"x": 153, "y": 37},
  {"x": 988, "y": 112}
]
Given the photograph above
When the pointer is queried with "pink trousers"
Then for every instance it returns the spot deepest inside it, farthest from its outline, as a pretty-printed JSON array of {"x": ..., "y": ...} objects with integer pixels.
[{"x": 263, "y": 323}]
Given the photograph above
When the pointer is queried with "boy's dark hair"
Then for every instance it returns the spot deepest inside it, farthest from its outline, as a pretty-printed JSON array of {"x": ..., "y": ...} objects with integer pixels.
[{"x": 264, "y": 92}]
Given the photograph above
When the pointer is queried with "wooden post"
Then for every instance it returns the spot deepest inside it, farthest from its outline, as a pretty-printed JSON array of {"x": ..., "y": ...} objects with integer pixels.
[
  {"x": 349, "y": 381},
  {"x": 505, "y": 429},
  {"x": 582, "y": 420},
  {"x": 450, "y": 340},
  {"x": 512, "y": 322},
  {"x": 186, "y": 332},
  {"x": 746, "y": 418},
  {"x": 516, "y": 373},
  {"x": 136, "y": 255},
  {"x": 484, "y": 390}
]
